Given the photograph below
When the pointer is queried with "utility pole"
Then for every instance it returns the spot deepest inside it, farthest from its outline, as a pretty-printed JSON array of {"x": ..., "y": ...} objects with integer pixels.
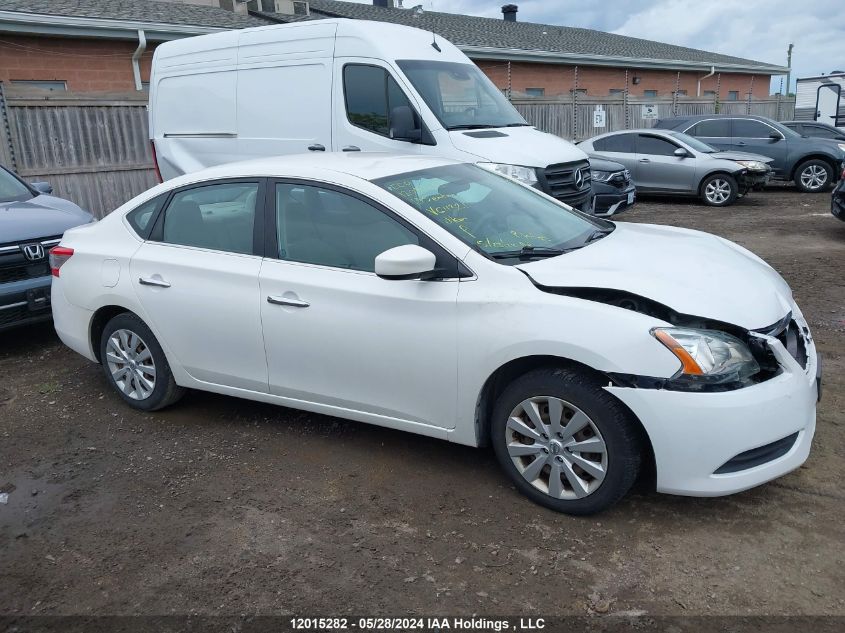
[{"x": 789, "y": 66}]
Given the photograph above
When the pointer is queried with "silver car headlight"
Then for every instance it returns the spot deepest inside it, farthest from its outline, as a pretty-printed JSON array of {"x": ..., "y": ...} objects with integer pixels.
[
  {"x": 842, "y": 146},
  {"x": 528, "y": 175},
  {"x": 708, "y": 356},
  {"x": 753, "y": 165}
]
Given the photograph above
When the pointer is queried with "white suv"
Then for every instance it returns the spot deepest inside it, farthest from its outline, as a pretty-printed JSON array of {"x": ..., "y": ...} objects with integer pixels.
[{"x": 442, "y": 298}]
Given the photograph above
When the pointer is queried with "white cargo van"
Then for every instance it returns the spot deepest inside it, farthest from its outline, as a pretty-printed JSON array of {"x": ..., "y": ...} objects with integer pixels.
[{"x": 344, "y": 85}]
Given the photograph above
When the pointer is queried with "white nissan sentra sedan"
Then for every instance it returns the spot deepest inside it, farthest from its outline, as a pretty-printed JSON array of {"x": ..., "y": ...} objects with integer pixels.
[{"x": 441, "y": 298}]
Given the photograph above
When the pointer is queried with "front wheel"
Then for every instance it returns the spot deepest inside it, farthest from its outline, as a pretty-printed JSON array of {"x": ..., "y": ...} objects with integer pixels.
[
  {"x": 565, "y": 442},
  {"x": 813, "y": 176},
  {"x": 719, "y": 190},
  {"x": 135, "y": 365}
]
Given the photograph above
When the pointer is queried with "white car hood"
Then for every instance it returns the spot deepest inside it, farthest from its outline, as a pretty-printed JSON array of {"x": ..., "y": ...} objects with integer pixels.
[
  {"x": 516, "y": 146},
  {"x": 693, "y": 273}
]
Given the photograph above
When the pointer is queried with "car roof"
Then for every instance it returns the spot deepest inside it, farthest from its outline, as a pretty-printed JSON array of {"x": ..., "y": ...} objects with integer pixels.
[{"x": 364, "y": 165}]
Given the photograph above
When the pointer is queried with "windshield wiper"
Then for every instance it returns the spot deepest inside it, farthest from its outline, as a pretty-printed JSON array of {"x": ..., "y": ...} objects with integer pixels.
[
  {"x": 597, "y": 235},
  {"x": 470, "y": 126},
  {"x": 530, "y": 252},
  {"x": 517, "y": 125}
]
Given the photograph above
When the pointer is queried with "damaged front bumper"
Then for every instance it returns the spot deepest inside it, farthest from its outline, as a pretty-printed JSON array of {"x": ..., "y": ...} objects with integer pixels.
[
  {"x": 753, "y": 180},
  {"x": 719, "y": 443}
]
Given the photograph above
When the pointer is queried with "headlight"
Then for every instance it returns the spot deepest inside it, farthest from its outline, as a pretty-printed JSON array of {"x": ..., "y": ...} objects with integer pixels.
[
  {"x": 602, "y": 176},
  {"x": 753, "y": 165},
  {"x": 708, "y": 356},
  {"x": 841, "y": 146},
  {"x": 528, "y": 175}
]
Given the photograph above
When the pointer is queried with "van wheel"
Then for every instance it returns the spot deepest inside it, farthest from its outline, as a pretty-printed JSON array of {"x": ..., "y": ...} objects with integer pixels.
[
  {"x": 135, "y": 366},
  {"x": 565, "y": 442},
  {"x": 719, "y": 190},
  {"x": 813, "y": 176}
]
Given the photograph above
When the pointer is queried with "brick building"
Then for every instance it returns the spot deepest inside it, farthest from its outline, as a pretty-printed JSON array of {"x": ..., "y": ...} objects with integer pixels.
[{"x": 106, "y": 45}]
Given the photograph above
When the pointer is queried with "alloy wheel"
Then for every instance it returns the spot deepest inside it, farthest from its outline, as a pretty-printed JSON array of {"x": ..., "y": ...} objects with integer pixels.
[
  {"x": 556, "y": 447},
  {"x": 131, "y": 364},
  {"x": 717, "y": 191},
  {"x": 814, "y": 177}
]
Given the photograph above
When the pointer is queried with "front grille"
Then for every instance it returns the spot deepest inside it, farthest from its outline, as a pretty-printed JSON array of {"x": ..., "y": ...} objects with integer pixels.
[
  {"x": 17, "y": 272},
  {"x": 15, "y": 266},
  {"x": 788, "y": 332},
  {"x": 758, "y": 456},
  {"x": 560, "y": 181}
]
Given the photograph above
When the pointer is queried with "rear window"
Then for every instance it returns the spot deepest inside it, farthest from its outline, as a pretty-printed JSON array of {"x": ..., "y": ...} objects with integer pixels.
[
  {"x": 141, "y": 219},
  {"x": 711, "y": 128}
]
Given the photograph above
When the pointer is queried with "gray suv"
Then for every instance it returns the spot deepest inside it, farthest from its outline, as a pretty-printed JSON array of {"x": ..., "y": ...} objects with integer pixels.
[
  {"x": 812, "y": 163},
  {"x": 31, "y": 222}
]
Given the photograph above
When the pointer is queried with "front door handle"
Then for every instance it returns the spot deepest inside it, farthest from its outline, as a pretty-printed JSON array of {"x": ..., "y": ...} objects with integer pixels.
[
  {"x": 317, "y": 148},
  {"x": 287, "y": 301},
  {"x": 742, "y": 143},
  {"x": 351, "y": 148},
  {"x": 645, "y": 160},
  {"x": 156, "y": 281}
]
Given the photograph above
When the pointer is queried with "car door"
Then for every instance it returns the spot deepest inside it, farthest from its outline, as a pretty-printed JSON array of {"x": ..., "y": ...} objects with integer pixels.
[
  {"x": 197, "y": 279},
  {"x": 338, "y": 335},
  {"x": 658, "y": 169},
  {"x": 714, "y": 132},
  {"x": 757, "y": 137},
  {"x": 372, "y": 111},
  {"x": 618, "y": 147}
]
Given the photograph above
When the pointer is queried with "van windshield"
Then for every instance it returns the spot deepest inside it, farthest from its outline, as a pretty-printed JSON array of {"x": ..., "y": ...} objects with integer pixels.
[
  {"x": 495, "y": 215},
  {"x": 460, "y": 95}
]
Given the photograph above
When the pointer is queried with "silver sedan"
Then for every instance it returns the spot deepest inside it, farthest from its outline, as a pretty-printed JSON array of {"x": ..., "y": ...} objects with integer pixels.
[{"x": 667, "y": 162}]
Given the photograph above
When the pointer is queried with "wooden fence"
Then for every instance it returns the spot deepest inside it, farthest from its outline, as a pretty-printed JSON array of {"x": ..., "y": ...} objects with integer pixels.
[
  {"x": 94, "y": 149},
  {"x": 573, "y": 119}
]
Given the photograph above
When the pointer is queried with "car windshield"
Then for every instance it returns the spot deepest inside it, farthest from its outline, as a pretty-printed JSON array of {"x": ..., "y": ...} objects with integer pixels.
[
  {"x": 694, "y": 143},
  {"x": 12, "y": 189},
  {"x": 460, "y": 95},
  {"x": 494, "y": 214}
]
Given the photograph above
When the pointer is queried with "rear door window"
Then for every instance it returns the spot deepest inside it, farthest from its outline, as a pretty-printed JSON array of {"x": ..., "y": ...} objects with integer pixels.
[
  {"x": 141, "y": 218},
  {"x": 655, "y": 146},
  {"x": 712, "y": 128},
  {"x": 749, "y": 128},
  {"x": 620, "y": 143}
]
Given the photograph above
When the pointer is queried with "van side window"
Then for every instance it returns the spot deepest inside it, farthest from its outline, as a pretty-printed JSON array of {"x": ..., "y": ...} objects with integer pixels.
[
  {"x": 375, "y": 102},
  {"x": 217, "y": 216}
]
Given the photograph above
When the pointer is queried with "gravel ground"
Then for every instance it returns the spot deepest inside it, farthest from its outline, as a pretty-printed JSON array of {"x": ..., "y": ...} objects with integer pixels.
[{"x": 223, "y": 506}]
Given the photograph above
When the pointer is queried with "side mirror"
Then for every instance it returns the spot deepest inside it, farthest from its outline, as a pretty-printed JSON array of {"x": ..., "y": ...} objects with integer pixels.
[
  {"x": 402, "y": 126},
  {"x": 776, "y": 136},
  {"x": 42, "y": 187},
  {"x": 681, "y": 152},
  {"x": 405, "y": 262}
]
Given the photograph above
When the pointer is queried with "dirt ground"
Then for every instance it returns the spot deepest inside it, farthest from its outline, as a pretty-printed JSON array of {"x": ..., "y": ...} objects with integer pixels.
[{"x": 223, "y": 506}]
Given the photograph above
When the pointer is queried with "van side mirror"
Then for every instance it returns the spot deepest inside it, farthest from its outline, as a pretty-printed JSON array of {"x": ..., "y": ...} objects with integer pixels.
[
  {"x": 681, "y": 152},
  {"x": 402, "y": 126},
  {"x": 42, "y": 187},
  {"x": 405, "y": 262}
]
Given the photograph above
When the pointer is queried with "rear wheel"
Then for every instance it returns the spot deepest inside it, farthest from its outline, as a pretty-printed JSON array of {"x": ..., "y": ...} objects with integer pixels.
[
  {"x": 135, "y": 365},
  {"x": 813, "y": 176},
  {"x": 565, "y": 442},
  {"x": 719, "y": 190}
]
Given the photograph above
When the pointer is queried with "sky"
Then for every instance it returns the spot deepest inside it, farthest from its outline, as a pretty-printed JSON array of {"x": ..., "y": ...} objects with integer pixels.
[{"x": 754, "y": 29}]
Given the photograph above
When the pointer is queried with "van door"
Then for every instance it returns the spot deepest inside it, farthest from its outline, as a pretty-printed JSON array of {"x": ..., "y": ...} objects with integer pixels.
[
  {"x": 284, "y": 90},
  {"x": 373, "y": 110},
  {"x": 827, "y": 104}
]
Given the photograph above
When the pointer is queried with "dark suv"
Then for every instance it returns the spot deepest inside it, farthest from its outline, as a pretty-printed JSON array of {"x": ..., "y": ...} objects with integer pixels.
[
  {"x": 812, "y": 163},
  {"x": 31, "y": 222}
]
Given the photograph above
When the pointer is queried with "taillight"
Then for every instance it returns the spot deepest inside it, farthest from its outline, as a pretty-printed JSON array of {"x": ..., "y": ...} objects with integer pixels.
[
  {"x": 155, "y": 161},
  {"x": 58, "y": 256}
]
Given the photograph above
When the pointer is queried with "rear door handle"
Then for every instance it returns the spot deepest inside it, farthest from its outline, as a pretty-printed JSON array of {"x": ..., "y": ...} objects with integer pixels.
[
  {"x": 316, "y": 148},
  {"x": 741, "y": 143},
  {"x": 287, "y": 301},
  {"x": 645, "y": 160},
  {"x": 156, "y": 281},
  {"x": 351, "y": 148}
]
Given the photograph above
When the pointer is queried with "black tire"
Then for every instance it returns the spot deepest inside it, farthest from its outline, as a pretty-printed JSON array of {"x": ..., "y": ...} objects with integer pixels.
[
  {"x": 805, "y": 183},
  {"x": 165, "y": 390},
  {"x": 719, "y": 182},
  {"x": 614, "y": 422}
]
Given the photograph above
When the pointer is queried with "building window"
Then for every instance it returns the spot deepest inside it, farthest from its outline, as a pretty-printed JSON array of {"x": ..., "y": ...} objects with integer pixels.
[
  {"x": 681, "y": 93},
  {"x": 616, "y": 91},
  {"x": 649, "y": 93},
  {"x": 535, "y": 92},
  {"x": 733, "y": 95},
  {"x": 145, "y": 86},
  {"x": 579, "y": 91},
  {"x": 709, "y": 93},
  {"x": 53, "y": 86}
]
